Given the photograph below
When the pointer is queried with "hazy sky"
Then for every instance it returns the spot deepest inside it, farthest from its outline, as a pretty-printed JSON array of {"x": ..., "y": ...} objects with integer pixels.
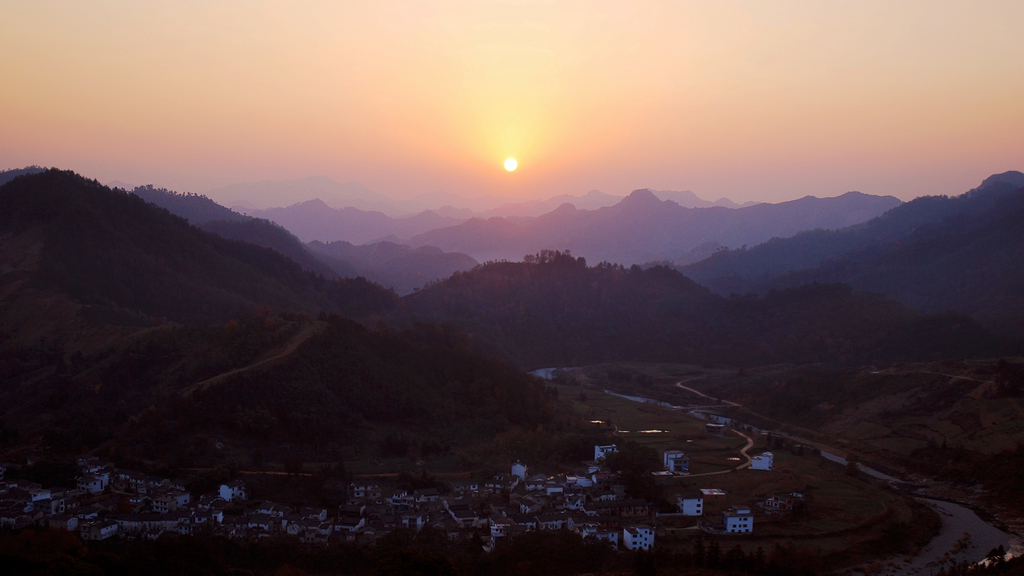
[{"x": 752, "y": 100}]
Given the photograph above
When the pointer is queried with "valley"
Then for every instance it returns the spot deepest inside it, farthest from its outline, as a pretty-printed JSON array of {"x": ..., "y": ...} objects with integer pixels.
[{"x": 837, "y": 426}]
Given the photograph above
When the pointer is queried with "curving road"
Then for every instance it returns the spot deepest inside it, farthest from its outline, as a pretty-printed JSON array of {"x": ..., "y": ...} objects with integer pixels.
[{"x": 743, "y": 452}]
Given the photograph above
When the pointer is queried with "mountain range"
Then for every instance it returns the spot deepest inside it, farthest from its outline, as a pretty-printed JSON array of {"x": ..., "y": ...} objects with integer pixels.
[
  {"x": 397, "y": 266},
  {"x": 636, "y": 229},
  {"x": 394, "y": 266},
  {"x": 128, "y": 327},
  {"x": 267, "y": 194},
  {"x": 79, "y": 257},
  {"x": 315, "y": 220},
  {"x": 934, "y": 253},
  {"x": 643, "y": 228}
]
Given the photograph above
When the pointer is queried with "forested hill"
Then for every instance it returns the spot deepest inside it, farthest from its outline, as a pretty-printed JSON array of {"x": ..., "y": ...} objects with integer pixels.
[
  {"x": 552, "y": 309},
  {"x": 269, "y": 235},
  {"x": 226, "y": 223},
  {"x": 932, "y": 254},
  {"x": 170, "y": 394},
  {"x": 8, "y": 175},
  {"x": 734, "y": 270},
  {"x": 970, "y": 263},
  {"x": 112, "y": 257},
  {"x": 195, "y": 208}
]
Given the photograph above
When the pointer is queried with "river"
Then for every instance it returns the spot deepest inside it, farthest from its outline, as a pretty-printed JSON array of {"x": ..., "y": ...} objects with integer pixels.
[{"x": 964, "y": 537}]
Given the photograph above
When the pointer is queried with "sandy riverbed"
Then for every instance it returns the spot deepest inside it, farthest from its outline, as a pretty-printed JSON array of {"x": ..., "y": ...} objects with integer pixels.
[{"x": 964, "y": 537}]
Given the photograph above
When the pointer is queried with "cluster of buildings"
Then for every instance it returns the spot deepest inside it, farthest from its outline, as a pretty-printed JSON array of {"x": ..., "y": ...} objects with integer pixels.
[
  {"x": 109, "y": 502},
  {"x": 711, "y": 501}
]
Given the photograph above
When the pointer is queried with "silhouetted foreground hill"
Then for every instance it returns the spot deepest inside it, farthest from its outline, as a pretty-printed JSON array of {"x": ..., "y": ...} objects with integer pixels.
[
  {"x": 553, "y": 310},
  {"x": 212, "y": 217},
  {"x": 932, "y": 254},
  {"x": 195, "y": 208},
  {"x": 269, "y": 235},
  {"x": 8, "y": 175},
  {"x": 395, "y": 266},
  {"x": 111, "y": 257},
  {"x": 285, "y": 385}
]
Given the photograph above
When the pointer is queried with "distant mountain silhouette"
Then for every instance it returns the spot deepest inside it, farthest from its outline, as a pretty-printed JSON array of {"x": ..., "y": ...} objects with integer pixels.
[
  {"x": 392, "y": 265},
  {"x": 269, "y": 194},
  {"x": 78, "y": 251},
  {"x": 554, "y": 310},
  {"x": 590, "y": 201},
  {"x": 396, "y": 266},
  {"x": 933, "y": 253},
  {"x": 315, "y": 220},
  {"x": 688, "y": 199},
  {"x": 643, "y": 228}
]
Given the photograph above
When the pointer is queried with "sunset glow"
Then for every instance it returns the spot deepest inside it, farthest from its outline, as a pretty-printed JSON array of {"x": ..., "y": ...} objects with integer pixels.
[
  {"x": 750, "y": 100},
  {"x": 511, "y": 164}
]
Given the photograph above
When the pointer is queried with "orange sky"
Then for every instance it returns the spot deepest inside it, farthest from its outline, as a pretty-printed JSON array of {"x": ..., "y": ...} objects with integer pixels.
[{"x": 751, "y": 100}]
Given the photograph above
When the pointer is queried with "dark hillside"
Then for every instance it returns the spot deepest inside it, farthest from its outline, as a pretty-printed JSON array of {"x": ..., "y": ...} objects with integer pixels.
[
  {"x": 226, "y": 223},
  {"x": 269, "y": 235},
  {"x": 736, "y": 270},
  {"x": 195, "y": 208},
  {"x": 554, "y": 310},
  {"x": 109, "y": 251},
  {"x": 969, "y": 262},
  {"x": 284, "y": 385},
  {"x": 8, "y": 175}
]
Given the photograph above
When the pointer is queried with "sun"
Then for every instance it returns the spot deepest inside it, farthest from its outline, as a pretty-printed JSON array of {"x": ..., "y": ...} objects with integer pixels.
[{"x": 511, "y": 164}]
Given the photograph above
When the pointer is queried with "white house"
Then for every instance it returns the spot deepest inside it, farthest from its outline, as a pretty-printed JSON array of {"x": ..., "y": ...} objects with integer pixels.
[
  {"x": 64, "y": 521},
  {"x": 603, "y": 451},
  {"x": 762, "y": 462},
  {"x": 676, "y": 461},
  {"x": 234, "y": 490},
  {"x": 607, "y": 534},
  {"x": 691, "y": 504},
  {"x": 99, "y": 530},
  {"x": 638, "y": 538},
  {"x": 500, "y": 528},
  {"x": 519, "y": 469},
  {"x": 94, "y": 483},
  {"x": 738, "y": 519}
]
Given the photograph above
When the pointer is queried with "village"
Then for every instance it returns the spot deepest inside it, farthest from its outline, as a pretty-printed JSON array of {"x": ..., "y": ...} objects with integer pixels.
[{"x": 111, "y": 502}]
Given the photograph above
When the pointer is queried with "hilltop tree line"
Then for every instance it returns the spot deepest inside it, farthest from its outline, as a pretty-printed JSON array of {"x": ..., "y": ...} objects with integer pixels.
[{"x": 552, "y": 309}]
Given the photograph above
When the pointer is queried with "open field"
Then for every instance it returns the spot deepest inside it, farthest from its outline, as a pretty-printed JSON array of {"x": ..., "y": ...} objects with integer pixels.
[{"x": 843, "y": 515}]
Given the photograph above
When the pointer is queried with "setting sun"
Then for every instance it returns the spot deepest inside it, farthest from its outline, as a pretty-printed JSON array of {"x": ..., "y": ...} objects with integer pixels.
[{"x": 511, "y": 164}]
